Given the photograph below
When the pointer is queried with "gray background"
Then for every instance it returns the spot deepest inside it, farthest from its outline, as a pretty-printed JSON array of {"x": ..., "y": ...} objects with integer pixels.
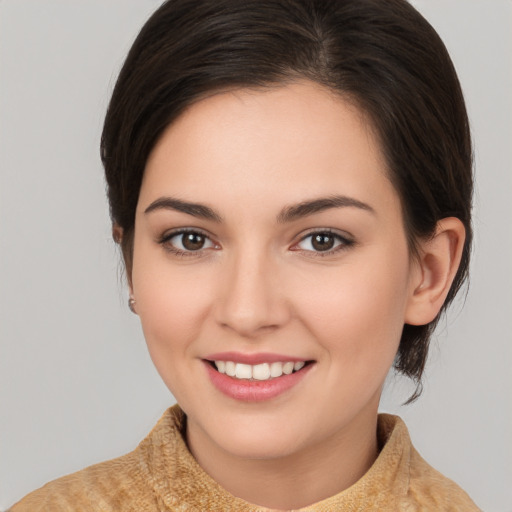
[{"x": 76, "y": 383}]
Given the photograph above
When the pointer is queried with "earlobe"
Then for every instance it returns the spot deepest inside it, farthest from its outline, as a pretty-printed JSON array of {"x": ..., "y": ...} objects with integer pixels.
[
  {"x": 437, "y": 264},
  {"x": 132, "y": 304}
]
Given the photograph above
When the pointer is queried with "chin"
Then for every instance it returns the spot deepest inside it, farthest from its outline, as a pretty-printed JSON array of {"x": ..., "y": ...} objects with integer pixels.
[
  {"x": 254, "y": 435},
  {"x": 260, "y": 445}
]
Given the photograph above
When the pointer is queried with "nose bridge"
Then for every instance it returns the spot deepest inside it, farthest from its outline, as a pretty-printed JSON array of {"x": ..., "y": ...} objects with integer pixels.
[{"x": 251, "y": 299}]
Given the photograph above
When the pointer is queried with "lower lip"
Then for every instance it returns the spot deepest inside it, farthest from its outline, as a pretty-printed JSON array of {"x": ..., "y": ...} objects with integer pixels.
[{"x": 254, "y": 390}]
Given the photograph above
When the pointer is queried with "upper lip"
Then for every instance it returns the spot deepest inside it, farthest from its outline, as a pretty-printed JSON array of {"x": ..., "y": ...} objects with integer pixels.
[{"x": 252, "y": 359}]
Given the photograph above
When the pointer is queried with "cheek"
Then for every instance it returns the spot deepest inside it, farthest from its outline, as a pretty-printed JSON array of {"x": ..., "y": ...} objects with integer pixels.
[
  {"x": 172, "y": 302},
  {"x": 357, "y": 312}
]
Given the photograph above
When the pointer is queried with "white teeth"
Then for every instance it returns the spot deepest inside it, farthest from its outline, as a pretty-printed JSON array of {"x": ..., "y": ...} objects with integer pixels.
[
  {"x": 287, "y": 368},
  {"x": 243, "y": 371},
  {"x": 230, "y": 368},
  {"x": 221, "y": 366},
  {"x": 263, "y": 371},
  {"x": 276, "y": 369}
]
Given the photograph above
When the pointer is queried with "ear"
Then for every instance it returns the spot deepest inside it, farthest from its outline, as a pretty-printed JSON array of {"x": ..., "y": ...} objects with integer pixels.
[
  {"x": 117, "y": 233},
  {"x": 436, "y": 266},
  {"x": 118, "y": 236}
]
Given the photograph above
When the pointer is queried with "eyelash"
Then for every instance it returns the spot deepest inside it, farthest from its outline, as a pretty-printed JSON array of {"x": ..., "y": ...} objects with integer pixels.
[
  {"x": 167, "y": 237},
  {"x": 344, "y": 243}
]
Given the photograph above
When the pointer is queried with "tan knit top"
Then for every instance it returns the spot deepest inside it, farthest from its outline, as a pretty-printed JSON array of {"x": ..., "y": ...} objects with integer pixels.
[{"x": 162, "y": 475}]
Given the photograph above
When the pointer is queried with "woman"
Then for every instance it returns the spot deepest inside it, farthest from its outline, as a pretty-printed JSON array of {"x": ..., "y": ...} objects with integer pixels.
[{"x": 290, "y": 183}]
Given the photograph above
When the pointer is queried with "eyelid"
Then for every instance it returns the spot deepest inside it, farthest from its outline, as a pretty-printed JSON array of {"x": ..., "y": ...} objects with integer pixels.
[
  {"x": 165, "y": 238},
  {"x": 346, "y": 241}
]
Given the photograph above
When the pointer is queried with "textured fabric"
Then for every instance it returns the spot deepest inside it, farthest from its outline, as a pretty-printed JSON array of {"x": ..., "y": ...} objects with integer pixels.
[{"x": 161, "y": 475}]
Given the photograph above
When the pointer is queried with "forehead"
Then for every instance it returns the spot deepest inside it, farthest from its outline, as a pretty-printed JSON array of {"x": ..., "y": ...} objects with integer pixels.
[{"x": 275, "y": 145}]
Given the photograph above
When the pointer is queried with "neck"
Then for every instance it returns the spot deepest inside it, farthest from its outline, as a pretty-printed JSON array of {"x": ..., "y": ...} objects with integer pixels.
[{"x": 296, "y": 480}]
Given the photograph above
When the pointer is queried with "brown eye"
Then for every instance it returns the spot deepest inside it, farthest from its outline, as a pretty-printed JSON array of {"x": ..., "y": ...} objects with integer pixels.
[
  {"x": 187, "y": 241},
  {"x": 322, "y": 241},
  {"x": 193, "y": 241}
]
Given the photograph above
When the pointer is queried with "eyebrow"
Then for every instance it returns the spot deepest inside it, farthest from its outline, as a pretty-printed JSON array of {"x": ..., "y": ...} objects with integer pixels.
[
  {"x": 287, "y": 214},
  {"x": 194, "y": 209},
  {"x": 305, "y": 208}
]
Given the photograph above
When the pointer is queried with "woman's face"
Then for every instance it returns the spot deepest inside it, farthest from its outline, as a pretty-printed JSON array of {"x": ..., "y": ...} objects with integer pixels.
[{"x": 267, "y": 232}]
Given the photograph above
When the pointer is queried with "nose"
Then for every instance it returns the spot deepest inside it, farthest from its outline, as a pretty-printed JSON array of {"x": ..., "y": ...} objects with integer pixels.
[{"x": 251, "y": 299}]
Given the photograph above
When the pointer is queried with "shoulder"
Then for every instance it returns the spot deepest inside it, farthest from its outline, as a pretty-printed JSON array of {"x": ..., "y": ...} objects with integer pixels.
[
  {"x": 429, "y": 488},
  {"x": 124, "y": 483},
  {"x": 424, "y": 487},
  {"x": 108, "y": 486}
]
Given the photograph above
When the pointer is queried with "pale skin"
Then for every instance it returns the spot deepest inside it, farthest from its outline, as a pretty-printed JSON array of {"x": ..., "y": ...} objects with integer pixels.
[{"x": 240, "y": 164}]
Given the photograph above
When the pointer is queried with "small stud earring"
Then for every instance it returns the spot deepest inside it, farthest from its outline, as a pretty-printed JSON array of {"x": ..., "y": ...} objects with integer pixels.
[{"x": 131, "y": 305}]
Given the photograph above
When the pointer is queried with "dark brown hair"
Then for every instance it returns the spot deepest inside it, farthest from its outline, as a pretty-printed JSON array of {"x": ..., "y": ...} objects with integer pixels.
[{"x": 381, "y": 54}]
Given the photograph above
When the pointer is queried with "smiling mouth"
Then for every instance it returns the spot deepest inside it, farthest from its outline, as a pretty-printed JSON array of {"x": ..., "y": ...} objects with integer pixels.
[{"x": 258, "y": 372}]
